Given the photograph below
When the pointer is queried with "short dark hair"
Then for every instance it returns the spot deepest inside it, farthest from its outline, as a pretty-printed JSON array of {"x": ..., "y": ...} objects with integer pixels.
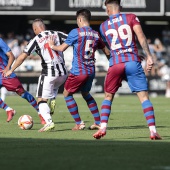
[
  {"x": 112, "y": 1},
  {"x": 38, "y": 20},
  {"x": 85, "y": 13}
]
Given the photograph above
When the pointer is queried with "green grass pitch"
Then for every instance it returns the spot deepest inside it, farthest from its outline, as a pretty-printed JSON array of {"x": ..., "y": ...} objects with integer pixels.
[{"x": 125, "y": 147}]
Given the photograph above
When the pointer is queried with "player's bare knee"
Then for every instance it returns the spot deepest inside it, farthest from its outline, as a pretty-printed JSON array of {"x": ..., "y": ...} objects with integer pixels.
[
  {"x": 109, "y": 96},
  {"x": 66, "y": 93}
]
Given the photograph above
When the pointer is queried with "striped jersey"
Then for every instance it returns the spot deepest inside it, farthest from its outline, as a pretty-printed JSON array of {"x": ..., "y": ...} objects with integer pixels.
[
  {"x": 52, "y": 61},
  {"x": 117, "y": 32},
  {"x": 4, "y": 58},
  {"x": 85, "y": 41}
]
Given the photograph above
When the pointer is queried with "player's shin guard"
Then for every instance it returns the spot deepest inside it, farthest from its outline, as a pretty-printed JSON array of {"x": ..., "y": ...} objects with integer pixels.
[
  {"x": 31, "y": 100},
  {"x": 45, "y": 111},
  {"x": 149, "y": 114},
  {"x": 105, "y": 113},
  {"x": 93, "y": 108},
  {"x": 73, "y": 109}
]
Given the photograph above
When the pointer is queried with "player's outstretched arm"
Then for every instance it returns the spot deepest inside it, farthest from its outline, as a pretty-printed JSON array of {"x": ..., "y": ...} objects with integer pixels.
[
  {"x": 11, "y": 59},
  {"x": 17, "y": 63},
  {"x": 61, "y": 47}
]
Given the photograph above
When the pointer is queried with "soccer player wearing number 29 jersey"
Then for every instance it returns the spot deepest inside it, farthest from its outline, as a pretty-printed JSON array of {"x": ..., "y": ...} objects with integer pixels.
[
  {"x": 85, "y": 41},
  {"x": 119, "y": 32}
]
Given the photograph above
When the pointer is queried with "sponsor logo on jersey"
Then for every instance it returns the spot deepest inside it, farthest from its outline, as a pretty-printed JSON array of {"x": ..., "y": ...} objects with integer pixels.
[{"x": 124, "y": 51}]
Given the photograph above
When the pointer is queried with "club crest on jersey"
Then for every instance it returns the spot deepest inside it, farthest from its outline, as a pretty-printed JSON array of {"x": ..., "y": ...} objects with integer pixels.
[
  {"x": 137, "y": 19},
  {"x": 110, "y": 22}
]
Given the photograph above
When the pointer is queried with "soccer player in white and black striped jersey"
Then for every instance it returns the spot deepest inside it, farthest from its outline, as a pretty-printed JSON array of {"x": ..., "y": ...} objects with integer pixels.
[{"x": 53, "y": 73}]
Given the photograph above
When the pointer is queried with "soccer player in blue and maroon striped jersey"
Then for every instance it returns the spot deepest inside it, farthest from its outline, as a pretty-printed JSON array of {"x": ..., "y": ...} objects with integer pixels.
[
  {"x": 119, "y": 32},
  {"x": 11, "y": 83},
  {"x": 85, "y": 41}
]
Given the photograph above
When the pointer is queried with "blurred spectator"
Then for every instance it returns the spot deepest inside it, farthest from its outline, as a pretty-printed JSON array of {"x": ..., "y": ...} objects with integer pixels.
[
  {"x": 166, "y": 36},
  {"x": 23, "y": 44},
  {"x": 33, "y": 62},
  {"x": 164, "y": 72},
  {"x": 159, "y": 49},
  {"x": 15, "y": 48},
  {"x": 10, "y": 37}
]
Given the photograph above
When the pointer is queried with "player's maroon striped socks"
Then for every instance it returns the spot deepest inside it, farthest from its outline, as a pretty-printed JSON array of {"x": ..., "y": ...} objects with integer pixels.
[
  {"x": 3, "y": 105},
  {"x": 31, "y": 100},
  {"x": 91, "y": 103},
  {"x": 105, "y": 113},
  {"x": 149, "y": 115},
  {"x": 73, "y": 109}
]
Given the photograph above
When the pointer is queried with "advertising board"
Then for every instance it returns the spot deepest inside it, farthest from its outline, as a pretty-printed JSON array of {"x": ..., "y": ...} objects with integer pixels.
[
  {"x": 25, "y": 7},
  {"x": 69, "y": 7},
  {"x": 167, "y": 7},
  {"x": 97, "y": 7}
]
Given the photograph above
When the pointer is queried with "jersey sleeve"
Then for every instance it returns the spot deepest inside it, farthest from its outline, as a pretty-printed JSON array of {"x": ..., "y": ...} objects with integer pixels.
[
  {"x": 134, "y": 20},
  {"x": 30, "y": 48},
  {"x": 72, "y": 37},
  {"x": 62, "y": 36},
  {"x": 4, "y": 47},
  {"x": 103, "y": 37}
]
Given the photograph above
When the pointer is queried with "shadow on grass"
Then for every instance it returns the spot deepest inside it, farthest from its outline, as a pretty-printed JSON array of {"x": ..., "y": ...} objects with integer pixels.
[
  {"x": 57, "y": 154},
  {"x": 133, "y": 127},
  {"x": 57, "y": 122},
  {"x": 61, "y": 122}
]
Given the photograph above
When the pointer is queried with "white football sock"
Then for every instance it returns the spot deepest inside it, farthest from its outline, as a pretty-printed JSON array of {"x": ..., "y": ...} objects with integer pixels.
[
  {"x": 44, "y": 110},
  {"x": 152, "y": 128},
  {"x": 8, "y": 108},
  {"x": 3, "y": 93},
  {"x": 103, "y": 125}
]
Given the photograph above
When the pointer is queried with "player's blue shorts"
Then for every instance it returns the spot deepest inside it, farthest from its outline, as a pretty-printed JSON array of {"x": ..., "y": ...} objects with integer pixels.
[
  {"x": 135, "y": 76},
  {"x": 132, "y": 72}
]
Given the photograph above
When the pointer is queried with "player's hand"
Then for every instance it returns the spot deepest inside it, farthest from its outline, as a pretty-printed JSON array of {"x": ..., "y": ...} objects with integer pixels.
[
  {"x": 51, "y": 41},
  {"x": 149, "y": 63},
  {"x": 8, "y": 73},
  {"x": 5, "y": 71}
]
